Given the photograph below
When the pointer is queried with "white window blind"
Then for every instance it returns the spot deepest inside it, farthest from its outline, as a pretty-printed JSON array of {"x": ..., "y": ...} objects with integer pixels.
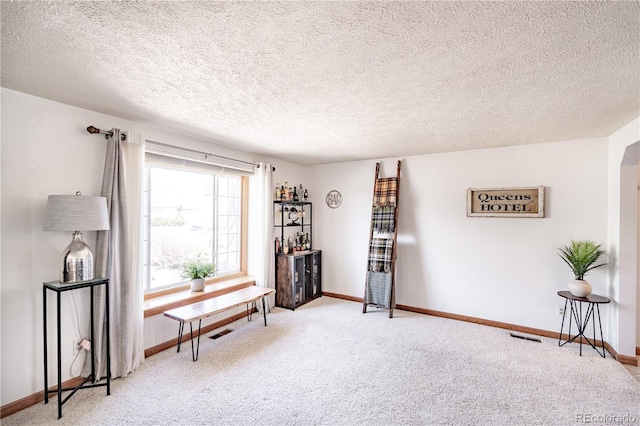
[{"x": 172, "y": 156}]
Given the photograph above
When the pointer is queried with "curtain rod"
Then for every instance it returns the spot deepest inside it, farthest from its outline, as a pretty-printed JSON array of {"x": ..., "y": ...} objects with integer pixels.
[
  {"x": 209, "y": 154},
  {"x": 93, "y": 129}
]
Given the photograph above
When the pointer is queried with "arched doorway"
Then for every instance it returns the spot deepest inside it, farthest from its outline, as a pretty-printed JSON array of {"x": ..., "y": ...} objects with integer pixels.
[{"x": 629, "y": 252}]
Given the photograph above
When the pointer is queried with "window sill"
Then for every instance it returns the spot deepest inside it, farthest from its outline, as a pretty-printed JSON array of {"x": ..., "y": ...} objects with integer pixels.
[{"x": 157, "y": 304}]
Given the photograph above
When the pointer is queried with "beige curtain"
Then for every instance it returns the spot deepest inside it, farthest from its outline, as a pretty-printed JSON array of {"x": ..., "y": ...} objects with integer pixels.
[
  {"x": 118, "y": 257},
  {"x": 261, "y": 240}
]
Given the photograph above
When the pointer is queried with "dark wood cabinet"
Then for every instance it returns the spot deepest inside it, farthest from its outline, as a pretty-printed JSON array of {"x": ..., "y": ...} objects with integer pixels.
[
  {"x": 299, "y": 271},
  {"x": 298, "y": 278}
]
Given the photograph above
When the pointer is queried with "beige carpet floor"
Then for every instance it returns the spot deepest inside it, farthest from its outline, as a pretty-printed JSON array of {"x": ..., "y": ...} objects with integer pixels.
[{"x": 327, "y": 363}]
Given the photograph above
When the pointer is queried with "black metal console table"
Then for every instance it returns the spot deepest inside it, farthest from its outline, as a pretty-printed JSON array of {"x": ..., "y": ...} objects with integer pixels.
[
  {"x": 593, "y": 307},
  {"x": 60, "y": 288}
]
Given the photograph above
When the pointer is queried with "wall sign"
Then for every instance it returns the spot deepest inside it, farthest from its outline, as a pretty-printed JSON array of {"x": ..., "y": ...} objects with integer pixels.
[
  {"x": 506, "y": 202},
  {"x": 334, "y": 199}
]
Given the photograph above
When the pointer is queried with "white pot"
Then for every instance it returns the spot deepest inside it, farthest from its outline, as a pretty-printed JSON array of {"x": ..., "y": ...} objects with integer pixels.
[
  {"x": 580, "y": 288},
  {"x": 197, "y": 284}
]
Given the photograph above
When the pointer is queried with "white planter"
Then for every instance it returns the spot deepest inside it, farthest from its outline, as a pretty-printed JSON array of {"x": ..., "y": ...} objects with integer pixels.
[
  {"x": 197, "y": 284},
  {"x": 580, "y": 288}
]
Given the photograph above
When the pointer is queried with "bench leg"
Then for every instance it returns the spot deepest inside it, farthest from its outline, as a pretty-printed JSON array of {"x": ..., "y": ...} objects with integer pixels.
[
  {"x": 253, "y": 306},
  {"x": 194, "y": 354},
  {"x": 180, "y": 329},
  {"x": 250, "y": 311},
  {"x": 264, "y": 312}
]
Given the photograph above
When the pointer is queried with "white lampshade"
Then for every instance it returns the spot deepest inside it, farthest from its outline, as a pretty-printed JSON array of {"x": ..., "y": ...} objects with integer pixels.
[{"x": 76, "y": 213}]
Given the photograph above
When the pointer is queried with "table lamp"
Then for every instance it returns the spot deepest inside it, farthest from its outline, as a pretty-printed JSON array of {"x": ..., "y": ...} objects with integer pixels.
[{"x": 76, "y": 213}]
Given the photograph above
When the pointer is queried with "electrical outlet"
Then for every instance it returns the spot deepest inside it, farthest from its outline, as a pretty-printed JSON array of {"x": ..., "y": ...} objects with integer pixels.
[
  {"x": 85, "y": 344},
  {"x": 79, "y": 345},
  {"x": 560, "y": 311}
]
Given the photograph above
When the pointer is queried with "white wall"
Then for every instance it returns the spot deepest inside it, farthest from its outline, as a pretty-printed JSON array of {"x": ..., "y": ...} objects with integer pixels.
[
  {"x": 623, "y": 234},
  {"x": 502, "y": 269},
  {"x": 46, "y": 150},
  {"x": 41, "y": 155}
]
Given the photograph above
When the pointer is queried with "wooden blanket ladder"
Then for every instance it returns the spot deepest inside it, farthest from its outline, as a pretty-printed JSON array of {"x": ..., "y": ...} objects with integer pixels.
[{"x": 380, "y": 284}]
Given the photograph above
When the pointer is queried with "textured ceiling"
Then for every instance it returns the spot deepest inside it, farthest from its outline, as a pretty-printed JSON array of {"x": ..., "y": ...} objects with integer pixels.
[{"x": 319, "y": 82}]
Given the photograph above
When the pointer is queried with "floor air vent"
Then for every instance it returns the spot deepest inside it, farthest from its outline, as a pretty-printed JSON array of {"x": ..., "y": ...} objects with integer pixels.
[
  {"x": 532, "y": 339},
  {"x": 220, "y": 334}
]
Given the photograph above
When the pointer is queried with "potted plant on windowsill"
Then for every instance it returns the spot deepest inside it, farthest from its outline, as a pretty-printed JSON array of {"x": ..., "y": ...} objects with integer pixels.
[
  {"x": 197, "y": 271},
  {"x": 581, "y": 257}
]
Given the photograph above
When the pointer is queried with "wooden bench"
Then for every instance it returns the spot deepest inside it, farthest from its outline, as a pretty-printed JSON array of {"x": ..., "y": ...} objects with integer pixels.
[{"x": 216, "y": 305}]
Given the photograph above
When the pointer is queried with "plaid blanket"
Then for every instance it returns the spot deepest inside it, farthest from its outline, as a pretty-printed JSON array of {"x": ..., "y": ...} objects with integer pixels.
[
  {"x": 378, "y": 289},
  {"x": 383, "y": 219},
  {"x": 380, "y": 254},
  {"x": 385, "y": 192}
]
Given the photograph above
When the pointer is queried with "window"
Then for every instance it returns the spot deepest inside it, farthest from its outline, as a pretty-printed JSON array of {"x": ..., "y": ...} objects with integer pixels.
[{"x": 191, "y": 212}]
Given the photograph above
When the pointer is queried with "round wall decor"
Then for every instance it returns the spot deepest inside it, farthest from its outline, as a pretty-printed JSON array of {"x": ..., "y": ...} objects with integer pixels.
[{"x": 334, "y": 199}]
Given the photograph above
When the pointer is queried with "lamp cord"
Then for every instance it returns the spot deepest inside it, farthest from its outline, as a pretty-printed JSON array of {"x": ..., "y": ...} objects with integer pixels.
[
  {"x": 75, "y": 308},
  {"x": 75, "y": 305}
]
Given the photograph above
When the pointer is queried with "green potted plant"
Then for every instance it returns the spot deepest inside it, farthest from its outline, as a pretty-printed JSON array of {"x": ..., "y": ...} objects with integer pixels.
[
  {"x": 197, "y": 270},
  {"x": 581, "y": 256}
]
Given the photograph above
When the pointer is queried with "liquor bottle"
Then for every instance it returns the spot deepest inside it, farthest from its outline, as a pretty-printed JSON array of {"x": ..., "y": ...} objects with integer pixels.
[
  {"x": 282, "y": 193},
  {"x": 295, "y": 194},
  {"x": 277, "y": 194},
  {"x": 286, "y": 188},
  {"x": 306, "y": 194}
]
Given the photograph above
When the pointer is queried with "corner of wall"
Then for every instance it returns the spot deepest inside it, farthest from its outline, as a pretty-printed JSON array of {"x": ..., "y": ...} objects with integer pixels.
[{"x": 622, "y": 229}]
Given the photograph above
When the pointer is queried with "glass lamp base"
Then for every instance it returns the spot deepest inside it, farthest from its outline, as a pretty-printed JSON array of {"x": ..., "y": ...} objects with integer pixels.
[{"x": 76, "y": 261}]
